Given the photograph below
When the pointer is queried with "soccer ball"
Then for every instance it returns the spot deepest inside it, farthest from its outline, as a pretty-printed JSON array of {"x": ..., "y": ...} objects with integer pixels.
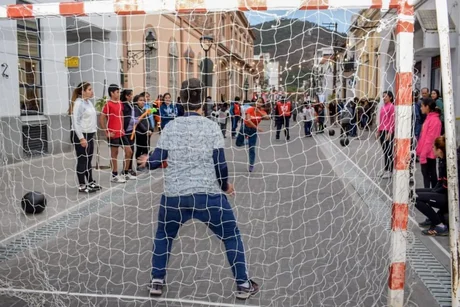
[
  {"x": 344, "y": 142},
  {"x": 33, "y": 202}
]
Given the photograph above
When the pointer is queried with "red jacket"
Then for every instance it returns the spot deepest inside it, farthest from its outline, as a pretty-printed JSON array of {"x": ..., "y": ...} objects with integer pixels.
[{"x": 431, "y": 129}]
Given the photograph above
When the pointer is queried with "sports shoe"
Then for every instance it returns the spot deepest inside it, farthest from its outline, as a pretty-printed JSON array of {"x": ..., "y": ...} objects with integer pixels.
[
  {"x": 251, "y": 168},
  {"x": 435, "y": 231},
  {"x": 94, "y": 186},
  {"x": 243, "y": 293},
  {"x": 118, "y": 179},
  {"x": 85, "y": 189},
  {"x": 156, "y": 288},
  {"x": 381, "y": 173},
  {"x": 131, "y": 175},
  {"x": 425, "y": 223},
  {"x": 386, "y": 175}
]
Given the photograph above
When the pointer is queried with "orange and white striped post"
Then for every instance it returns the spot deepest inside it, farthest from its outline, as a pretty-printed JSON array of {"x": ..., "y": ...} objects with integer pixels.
[{"x": 403, "y": 113}]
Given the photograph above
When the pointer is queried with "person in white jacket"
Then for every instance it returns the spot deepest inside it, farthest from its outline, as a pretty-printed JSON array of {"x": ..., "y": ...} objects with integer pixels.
[
  {"x": 308, "y": 116},
  {"x": 84, "y": 127}
]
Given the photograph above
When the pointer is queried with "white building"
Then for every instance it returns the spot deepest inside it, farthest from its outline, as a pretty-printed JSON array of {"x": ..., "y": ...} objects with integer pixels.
[
  {"x": 272, "y": 72},
  {"x": 36, "y": 84}
]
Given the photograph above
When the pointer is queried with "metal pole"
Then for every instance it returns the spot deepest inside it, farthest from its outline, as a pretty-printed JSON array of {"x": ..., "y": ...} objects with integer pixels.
[
  {"x": 451, "y": 152},
  {"x": 402, "y": 139}
]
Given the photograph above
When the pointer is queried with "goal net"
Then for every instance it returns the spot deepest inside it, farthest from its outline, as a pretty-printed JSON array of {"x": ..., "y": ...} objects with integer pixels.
[{"x": 314, "y": 214}]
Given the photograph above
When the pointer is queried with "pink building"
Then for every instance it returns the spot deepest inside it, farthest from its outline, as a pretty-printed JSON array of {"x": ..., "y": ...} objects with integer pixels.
[{"x": 176, "y": 54}]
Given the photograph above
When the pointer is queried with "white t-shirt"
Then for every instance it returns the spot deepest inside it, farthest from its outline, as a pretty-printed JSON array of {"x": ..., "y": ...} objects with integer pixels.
[{"x": 84, "y": 117}]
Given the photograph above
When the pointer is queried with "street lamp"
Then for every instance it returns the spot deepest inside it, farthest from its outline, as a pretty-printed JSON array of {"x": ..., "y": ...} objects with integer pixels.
[
  {"x": 246, "y": 88},
  {"x": 135, "y": 55},
  {"x": 206, "y": 43}
]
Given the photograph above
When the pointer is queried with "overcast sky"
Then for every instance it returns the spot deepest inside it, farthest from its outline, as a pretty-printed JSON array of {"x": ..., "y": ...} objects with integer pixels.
[{"x": 342, "y": 17}]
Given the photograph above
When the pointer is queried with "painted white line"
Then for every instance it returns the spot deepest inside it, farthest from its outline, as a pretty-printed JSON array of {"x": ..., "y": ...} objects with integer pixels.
[
  {"x": 280, "y": 174},
  {"x": 77, "y": 205},
  {"x": 122, "y": 297},
  {"x": 388, "y": 196}
]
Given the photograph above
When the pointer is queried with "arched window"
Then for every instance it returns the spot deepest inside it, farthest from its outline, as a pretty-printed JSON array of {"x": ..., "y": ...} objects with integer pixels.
[
  {"x": 151, "y": 68},
  {"x": 198, "y": 63},
  {"x": 173, "y": 69},
  {"x": 189, "y": 57}
]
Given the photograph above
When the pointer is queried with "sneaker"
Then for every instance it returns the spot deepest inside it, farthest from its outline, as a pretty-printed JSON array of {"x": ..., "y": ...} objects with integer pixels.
[
  {"x": 251, "y": 168},
  {"x": 131, "y": 175},
  {"x": 425, "y": 223},
  {"x": 85, "y": 189},
  {"x": 380, "y": 173},
  {"x": 243, "y": 293},
  {"x": 387, "y": 175},
  {"x": 156, "y": 288},
  {"x": 435, "y": 231},
  {"x": 118, "y": 179},
  {"x": 94, "y": 186}
]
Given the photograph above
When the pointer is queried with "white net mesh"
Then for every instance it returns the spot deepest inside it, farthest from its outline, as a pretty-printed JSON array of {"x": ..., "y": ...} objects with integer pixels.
[{"x": 313, "y": 216}]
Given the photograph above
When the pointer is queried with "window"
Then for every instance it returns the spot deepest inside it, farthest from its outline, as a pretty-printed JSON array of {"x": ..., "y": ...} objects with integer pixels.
[
  {"x": 189, "y": 57},
  {"x": 173, "y": 78},
  {"x": 151, "y": 69},
  {"x": 29, "y": 66}
]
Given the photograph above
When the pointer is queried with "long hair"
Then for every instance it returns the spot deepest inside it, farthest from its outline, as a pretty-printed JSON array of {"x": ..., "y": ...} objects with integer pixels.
[
  {"x": 440, "y": 143},
  {"x": 125, "y": 93},
  {"x": 77, "y": 92}
]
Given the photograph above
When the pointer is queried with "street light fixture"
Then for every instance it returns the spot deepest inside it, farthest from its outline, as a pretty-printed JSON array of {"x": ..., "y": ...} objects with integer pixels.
[
  {"x": 206, "y": 43},
  {"x": 246, "y": 88},
  {"x": 135, "y": 55}
]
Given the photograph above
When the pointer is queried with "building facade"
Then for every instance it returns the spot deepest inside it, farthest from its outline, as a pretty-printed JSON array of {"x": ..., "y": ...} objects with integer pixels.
[
  {"x": 36, "y": 84},
  {"x": 178, "y": 54}
]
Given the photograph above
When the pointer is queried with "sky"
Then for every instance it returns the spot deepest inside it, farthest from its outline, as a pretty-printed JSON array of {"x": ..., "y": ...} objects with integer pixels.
[{"x": 342, "y": 17}]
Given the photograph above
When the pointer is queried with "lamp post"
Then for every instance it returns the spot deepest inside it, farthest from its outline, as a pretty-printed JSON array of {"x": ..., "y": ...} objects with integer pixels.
[
  {"x": 246, "y": 88},
  {"x": 135, "y": 55},
  {"x": 206, "y": 43}
]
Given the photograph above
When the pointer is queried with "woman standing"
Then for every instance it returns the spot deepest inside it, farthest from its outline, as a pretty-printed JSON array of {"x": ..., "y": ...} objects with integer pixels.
[
  {"x": 143, "y": 128},
  {"x": 253, "y": 116},
  {"x": 385, "y": 133},
  {"x": 168, "y": 111},
  {"x": 436, "y": 96},
  {"x": 427, "y": 199},
  {"x": 431, "y": 129},
  {"x": 84, "y": 126}
]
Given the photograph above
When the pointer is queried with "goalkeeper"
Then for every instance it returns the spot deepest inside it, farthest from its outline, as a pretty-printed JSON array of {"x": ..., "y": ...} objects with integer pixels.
[{"x": 196, "y": 181}]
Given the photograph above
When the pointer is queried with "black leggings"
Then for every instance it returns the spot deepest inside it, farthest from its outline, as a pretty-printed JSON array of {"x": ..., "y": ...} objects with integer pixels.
[
  {"x": 84, "y": 158},
  {"x": 280, "y": 122},
  {"x": 427, "y": 200},
  {"x": 387, "y": 147},
  {"x": 430, "y": 176},
  {"x": 142, "y": 144}
]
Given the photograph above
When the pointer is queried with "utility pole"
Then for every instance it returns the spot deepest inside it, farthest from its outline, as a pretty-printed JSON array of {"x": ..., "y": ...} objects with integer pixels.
[{"x": 334, "y": 56}]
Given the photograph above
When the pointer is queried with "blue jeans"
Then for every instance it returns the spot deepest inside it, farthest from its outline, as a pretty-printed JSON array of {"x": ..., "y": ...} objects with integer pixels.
[
  {"x": 235, "y": 120},
  {"x": 307, "y": 127},
  {"x": 215, "y": 212},
  {"x": 251, "y": 133}
]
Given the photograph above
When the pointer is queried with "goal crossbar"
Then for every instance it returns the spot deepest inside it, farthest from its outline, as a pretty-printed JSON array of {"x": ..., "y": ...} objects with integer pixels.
[{"x": 133, "y": 7}]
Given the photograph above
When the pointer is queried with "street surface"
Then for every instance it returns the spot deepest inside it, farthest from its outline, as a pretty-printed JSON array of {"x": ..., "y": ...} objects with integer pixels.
[{"x": 313, "y": 217}]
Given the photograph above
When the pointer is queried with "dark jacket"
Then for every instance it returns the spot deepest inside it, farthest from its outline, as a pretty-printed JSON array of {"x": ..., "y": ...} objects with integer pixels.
[
  {"x": 127, "y": 114},
  {"x": 441, "y": 186},
  {"x": 143, "y": 126},
  {"x": 167, "y": 113}
]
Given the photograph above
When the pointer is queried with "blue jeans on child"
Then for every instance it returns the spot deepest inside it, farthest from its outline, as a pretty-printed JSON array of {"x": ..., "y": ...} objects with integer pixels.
[
  {"x": 235, "y": 120},
  {"x": 213, "y": 210},
  {"x": 251, "y": 134},
  {"x": 307, "y": 127}
]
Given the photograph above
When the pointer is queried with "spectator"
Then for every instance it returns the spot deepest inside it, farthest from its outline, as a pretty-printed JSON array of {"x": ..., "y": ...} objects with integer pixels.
[
  {"x": 333, "y": 112},
  {"x": 345, "y": 115},
  {"x": 84, "y": 127},
  {"x": 150, "y": 105},
  {"x": 436, "y": 96},
  {"x": 143, "y": 129},
  {"x": 168, "y": 111},
  {"x": 222, "y": 118},
  {"x": 129, "y": 120},
  {"x": 308, "y": 117},
  {"x": 294, "y": 110},
  {"x": 157, "y": 117},
  {"x": 366, "y": 113},
  {"x": 180, "y": 107},
  {"x": 417, "y": 118},
  {"x": 427, "y": 199},
  {"x": 283, "y": 112},
  {"x": 112, "y": 122},
  {"x": 209, "y": 106},
  {"x": 386, "y": 133},
  {"x": 431, "y": 130},
  {"x": 235, "y": 113},
  {"x": 195, "y": 182},
  {"x": 321, "y": 118}
]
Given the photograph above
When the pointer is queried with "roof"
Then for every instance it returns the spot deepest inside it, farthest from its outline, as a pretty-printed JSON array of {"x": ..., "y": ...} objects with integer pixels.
[{"x": 429, "y": 21}]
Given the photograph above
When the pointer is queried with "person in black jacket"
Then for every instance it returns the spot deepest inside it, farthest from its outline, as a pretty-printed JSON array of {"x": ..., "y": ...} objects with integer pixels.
[
  {"x": 427, "y": 199},
  {"x": 143, "y": 129},
  {"x": 128, "y": 125}
]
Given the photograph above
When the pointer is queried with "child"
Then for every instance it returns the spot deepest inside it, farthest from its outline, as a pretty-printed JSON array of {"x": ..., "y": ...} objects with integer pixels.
[
  {"x": 308, "y": 116},
  {"x": 196, "y": 181},
  {"x": 112, "y": 122},
  {"x": 143, "y": 129},
  {"x": 321, "y": 118},
  {"x": 222, "y": 117}
]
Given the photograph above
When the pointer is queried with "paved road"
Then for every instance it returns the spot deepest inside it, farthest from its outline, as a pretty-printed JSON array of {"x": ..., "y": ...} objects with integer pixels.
[{"x": 311, "y": 237}]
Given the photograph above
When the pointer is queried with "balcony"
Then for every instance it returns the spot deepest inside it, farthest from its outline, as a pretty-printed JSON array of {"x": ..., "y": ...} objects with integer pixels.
[{"x": 349, "y": 65}]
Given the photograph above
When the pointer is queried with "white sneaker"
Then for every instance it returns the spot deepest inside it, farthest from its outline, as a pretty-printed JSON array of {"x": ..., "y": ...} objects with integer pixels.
[
  {"x": 118, "y": 179},
  {"x": 129, "y": 176},
  {"x": 387, "y": 175}
]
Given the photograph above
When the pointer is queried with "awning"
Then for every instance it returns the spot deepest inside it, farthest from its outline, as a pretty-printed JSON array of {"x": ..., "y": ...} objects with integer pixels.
[
  {"x": 78, "y": 29},
  {"x": 429, "y": 22}
]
